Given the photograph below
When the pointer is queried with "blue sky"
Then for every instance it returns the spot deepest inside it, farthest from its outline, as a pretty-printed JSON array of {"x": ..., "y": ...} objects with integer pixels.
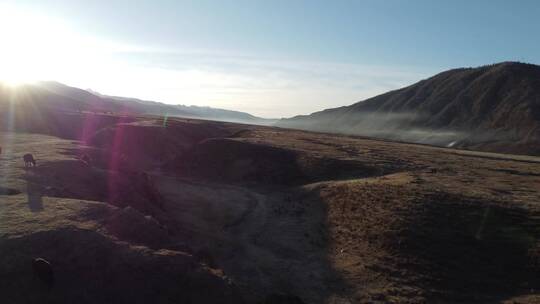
[{"x": 269, "y": 58}]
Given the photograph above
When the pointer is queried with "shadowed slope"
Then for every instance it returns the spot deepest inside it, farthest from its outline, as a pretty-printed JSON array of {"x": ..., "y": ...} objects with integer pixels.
[{"x": 495, "y": 108}]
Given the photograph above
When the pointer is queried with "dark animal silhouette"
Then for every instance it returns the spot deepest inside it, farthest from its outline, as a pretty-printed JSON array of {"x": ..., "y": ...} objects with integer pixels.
[
  {"x": 43, "y": 271},
  {"x": 85, "y": 159},
  {"x": 149, "y": 188},
  {"x": 29, "y": 160},
  {"x": 282, "y": 299}
]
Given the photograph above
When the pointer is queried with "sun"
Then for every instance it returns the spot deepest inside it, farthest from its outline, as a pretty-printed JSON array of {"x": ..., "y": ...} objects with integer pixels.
[
  {"x": 14, "y": 81},
  {"x": 33, "y": 46},
  {"x": 14, "y": 73},
  {"x": 37, "y": 47},
  {"x": 19, "y": 50}
]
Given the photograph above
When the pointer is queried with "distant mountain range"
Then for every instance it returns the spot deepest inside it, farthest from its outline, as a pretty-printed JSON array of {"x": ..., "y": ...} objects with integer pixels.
[
  {"x": 63, "y": 97},
  {"x": 493, "y": 108}
]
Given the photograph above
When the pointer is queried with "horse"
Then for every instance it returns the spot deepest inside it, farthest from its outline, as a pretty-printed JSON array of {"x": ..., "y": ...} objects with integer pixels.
[
  {"x": 43, "y": 271},
  {"x": 29, "y": 160},
  {"x": 85, "y": 159}
]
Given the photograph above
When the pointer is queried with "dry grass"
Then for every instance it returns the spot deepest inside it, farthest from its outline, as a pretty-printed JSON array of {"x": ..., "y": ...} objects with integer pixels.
[{"x": 336, "y": 220}]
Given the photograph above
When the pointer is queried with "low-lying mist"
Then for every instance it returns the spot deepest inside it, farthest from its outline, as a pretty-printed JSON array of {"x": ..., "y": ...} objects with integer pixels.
[{"x": 393, "y": 126}]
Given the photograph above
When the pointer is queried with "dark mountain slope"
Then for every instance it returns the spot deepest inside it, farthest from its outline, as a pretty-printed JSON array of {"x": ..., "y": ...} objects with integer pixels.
[
  {"x": 494, "y": 107},
  {"x": 57, "y": 96}
]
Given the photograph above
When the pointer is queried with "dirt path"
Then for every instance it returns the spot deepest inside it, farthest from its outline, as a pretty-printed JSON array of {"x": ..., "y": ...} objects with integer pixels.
[
  {"x": 216, "y": 208},
  {"x": 259, "y": 238}
]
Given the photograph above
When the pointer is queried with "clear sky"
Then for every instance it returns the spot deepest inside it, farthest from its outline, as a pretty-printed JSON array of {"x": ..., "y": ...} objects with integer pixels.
[{"x": 270, "y": 58}]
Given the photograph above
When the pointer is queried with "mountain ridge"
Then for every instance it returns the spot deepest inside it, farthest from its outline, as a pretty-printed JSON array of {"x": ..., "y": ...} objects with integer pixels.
[
  {"x": 65, "y": 97},
  {"x": 493, "y": 108}
]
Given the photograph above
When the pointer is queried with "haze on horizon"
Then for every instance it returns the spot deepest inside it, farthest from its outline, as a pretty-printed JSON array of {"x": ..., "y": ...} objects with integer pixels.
[{"x": 268, "y": 58}]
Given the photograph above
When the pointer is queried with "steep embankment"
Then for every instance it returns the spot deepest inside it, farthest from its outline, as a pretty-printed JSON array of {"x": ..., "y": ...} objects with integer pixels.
[
  {"x": 494, "y": 108},
  {"x": 230, "y": 160}
]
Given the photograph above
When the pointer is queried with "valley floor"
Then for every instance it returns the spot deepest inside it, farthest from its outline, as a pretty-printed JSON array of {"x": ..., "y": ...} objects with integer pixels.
[{"x": 248, "y": 212}]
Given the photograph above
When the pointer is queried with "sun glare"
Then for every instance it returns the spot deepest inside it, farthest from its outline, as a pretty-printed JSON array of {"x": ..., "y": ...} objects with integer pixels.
[
  {"x": 24, "y": 44},
  {"x": 37, "y": 47},
  {"x": 15, "y": 83},
  {"x": 15, "y": 75}
]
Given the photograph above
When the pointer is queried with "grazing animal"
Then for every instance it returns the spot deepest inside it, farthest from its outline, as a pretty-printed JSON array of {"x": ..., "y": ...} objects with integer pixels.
[
  {"x": 43, "y": 271},
  {"x": 150, "y": 190},
  {"x": 29, "y": 160},
  {"x": 277, "y": 298},
  {"x": 85, "y": 159}
]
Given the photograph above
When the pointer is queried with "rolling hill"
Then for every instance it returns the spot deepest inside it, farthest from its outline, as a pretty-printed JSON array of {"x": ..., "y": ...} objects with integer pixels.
[{"x": 492, "y": 108}]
